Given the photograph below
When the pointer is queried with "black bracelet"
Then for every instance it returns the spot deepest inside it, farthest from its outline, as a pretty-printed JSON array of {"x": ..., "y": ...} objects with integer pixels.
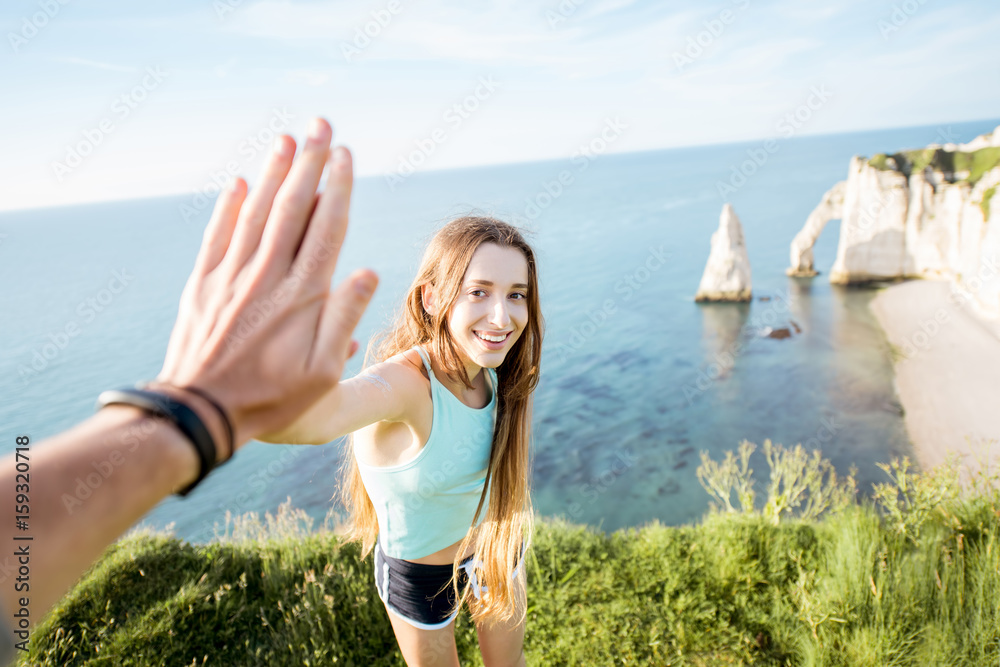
[
  {"x": 226, "y": 423},
  {"x": 186, "y": 420}
]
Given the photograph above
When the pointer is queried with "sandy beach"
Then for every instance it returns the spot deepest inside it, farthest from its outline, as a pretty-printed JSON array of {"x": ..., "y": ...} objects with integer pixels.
[{"x": 947, "y": 366}]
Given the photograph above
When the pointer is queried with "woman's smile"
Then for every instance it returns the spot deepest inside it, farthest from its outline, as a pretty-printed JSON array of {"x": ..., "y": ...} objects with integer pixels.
[{"x": 493, "y": 340}]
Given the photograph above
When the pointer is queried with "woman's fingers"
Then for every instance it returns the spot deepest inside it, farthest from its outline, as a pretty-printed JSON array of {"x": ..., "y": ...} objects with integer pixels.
[
  {"x": 294, "y": 202},
  {"x": 257, "y": 208},
  {"x": 341, "y": 313}
]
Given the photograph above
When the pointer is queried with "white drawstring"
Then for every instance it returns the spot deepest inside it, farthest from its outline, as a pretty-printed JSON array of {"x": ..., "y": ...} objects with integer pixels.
[{"x": 470, "y": 571}]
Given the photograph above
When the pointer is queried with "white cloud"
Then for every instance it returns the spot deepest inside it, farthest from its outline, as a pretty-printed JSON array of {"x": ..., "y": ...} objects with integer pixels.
[
  {"x": 284, "y": 20},
  {"x": 308, "y": 77},
  {"x": 222, "y": 71},
  {"x": 94, "y": 63}
]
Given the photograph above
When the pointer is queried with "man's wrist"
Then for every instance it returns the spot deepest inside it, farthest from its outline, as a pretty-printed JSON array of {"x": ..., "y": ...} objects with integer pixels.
[{"x": 159, "y": 438}]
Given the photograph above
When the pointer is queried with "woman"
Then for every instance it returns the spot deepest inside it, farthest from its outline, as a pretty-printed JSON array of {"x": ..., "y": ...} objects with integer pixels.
[{"x": 438, "y": 481}]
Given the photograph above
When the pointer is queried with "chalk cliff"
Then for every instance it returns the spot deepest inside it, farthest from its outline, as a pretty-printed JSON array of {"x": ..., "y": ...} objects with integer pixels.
[
  {"x": 926, "y": 213},
  {"x": 727, "y": 273},
  {"x": 830, "y": 208}
]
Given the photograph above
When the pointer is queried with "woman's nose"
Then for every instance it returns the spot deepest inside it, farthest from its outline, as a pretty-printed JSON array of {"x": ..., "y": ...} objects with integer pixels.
[{"x": 499, "y": 316}]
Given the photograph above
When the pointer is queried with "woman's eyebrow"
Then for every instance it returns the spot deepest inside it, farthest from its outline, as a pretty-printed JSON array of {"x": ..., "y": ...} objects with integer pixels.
[{"x": 489, "y": 283}]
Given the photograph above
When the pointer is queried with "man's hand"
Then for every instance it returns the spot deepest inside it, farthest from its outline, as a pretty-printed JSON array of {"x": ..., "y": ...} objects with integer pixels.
[{"x": 258, "y": 327}]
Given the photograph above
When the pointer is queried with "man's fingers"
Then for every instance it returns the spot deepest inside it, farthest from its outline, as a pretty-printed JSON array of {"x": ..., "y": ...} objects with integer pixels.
[
  {"x": 294, "y": 201},
  {"x": 341, "y": 313},
  {"x": 317, "y": 256},
  {"x": 219, "y": 232},
  {"x": 257, "y": 207}
]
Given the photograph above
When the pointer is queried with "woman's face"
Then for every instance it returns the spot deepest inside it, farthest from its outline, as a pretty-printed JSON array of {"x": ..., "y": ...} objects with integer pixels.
[{"x": 491, "y": 310}]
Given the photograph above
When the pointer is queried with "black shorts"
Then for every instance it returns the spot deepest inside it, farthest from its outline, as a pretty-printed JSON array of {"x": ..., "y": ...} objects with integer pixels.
[{"x": 410, "y": 590}]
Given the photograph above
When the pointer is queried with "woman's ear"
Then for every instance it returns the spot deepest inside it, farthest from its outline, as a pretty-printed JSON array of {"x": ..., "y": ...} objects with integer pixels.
[{"x": 427, "y": 298}]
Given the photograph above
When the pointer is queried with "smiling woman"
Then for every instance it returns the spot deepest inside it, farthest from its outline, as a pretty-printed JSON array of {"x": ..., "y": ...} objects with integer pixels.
[{"x": 437, "y": 481}]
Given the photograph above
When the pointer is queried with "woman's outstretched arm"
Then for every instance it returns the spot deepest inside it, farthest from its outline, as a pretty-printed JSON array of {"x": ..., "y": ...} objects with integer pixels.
[{"x": 382, "y": 392}]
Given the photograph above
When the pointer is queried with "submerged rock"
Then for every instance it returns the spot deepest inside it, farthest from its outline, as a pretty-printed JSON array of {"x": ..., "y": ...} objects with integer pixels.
[
  {"x": 780, "y": 332},
  {"x": 727, "y": 273},
  {"x": 669, "y": 489}
]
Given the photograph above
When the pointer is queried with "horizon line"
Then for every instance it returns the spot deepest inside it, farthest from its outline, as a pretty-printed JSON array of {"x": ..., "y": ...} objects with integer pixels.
[{"x": 487, "y": 165}]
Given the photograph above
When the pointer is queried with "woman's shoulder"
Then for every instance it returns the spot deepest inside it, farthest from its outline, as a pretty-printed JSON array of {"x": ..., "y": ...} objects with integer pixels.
[
  {"x": 409, "y": 361},
  {"x": 402, "y": 372},
  {"x": 402, "y": 381}
]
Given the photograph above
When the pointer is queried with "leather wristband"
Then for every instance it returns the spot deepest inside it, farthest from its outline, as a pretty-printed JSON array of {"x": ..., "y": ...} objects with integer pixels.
[
  {"x": 226, "y": 422},
  {"x": 178, "y": 413}
]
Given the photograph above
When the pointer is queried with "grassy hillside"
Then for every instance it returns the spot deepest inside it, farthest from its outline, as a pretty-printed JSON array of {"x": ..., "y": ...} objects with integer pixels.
[
  {"x": 807, "y": 576},
  {"x": 973, "y": 164}
]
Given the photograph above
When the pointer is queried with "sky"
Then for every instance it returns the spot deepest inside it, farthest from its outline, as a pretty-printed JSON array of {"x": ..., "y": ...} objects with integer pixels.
[{"x": 113, "y": 100}]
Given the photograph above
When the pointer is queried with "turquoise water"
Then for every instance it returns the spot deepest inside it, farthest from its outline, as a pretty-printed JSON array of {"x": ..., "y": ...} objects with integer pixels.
[{"x": 637, "y": 378}]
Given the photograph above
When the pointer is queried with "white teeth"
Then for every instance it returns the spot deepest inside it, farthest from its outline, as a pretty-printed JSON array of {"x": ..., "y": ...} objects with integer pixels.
[{"x": 492, "y": 339}]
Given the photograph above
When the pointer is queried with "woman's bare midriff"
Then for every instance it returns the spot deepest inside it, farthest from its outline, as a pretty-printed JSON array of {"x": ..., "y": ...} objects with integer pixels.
[{"x": 445, "y": 556}]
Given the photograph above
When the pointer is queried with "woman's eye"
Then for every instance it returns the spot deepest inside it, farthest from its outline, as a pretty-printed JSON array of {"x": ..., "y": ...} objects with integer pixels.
[
  {"x": 477, "y": 292},
  {"x": 519, "y": 295}
]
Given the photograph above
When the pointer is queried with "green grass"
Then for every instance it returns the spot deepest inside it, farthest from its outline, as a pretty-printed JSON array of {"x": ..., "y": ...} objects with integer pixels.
[
  {"x": 976, "y": 163},
  {"x": 909, "y": 578},
  {"x": 985, "y": 204}
]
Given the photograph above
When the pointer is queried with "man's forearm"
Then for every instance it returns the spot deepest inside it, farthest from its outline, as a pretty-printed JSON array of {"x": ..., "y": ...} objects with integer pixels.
[{"x": 86, "y": 486}]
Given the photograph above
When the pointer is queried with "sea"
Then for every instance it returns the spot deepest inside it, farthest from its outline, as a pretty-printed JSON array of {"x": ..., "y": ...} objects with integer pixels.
[{"x": 637, "y": 379}]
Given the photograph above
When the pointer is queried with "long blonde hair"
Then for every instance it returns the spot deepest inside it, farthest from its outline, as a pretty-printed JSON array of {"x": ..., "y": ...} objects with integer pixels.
[{"x": 509, "y": 517}]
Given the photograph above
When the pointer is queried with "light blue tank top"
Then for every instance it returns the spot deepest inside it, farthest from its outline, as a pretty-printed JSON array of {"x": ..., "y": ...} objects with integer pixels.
[{"x": 427, "y": 503}]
